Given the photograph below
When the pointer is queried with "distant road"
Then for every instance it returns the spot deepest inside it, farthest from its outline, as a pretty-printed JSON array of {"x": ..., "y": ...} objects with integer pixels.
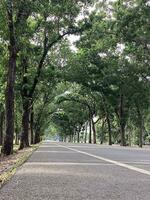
[{"x": 64, "y": 171}]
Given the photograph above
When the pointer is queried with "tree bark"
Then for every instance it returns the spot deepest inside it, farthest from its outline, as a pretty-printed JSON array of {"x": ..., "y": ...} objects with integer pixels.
[
  {"x": 94, "y": 131},
  {"x": 78, "y": 137},
  {"x": 102, "y": 136},
  {"x": 109, "y": 129},
  {"x": 129, "y": 137},
  {"x": 140, "y": 123},
  {"x": 37, "y": 136},
  {"x": 1, "y": 127},
  {"x": 90, "y": 132},
  {"x": 74, "y": 136},
  {"x": 31, "y": 125},
  {"x": 24, "y": 142},
  {"x": 71, "y": 138},
  {"x": 85, "y": 136},
  {"x": 11, "y": 76},
  {"x": 17, "y": 130},
  {"x": 122, "y": 122}
]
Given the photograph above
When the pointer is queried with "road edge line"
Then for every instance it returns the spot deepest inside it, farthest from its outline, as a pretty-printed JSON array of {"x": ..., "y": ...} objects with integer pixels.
[{"x": 142, "y": 171}]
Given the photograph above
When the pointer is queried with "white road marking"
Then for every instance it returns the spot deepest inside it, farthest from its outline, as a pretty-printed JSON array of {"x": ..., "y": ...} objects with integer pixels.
[
  {"x": 113, "y": 147},
  {"x": 142, "y": 171}
]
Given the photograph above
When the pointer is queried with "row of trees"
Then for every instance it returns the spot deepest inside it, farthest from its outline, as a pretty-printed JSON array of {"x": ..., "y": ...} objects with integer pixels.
[
  {"x": 28, "y": 31},
  {"x": 112, "y": 68},
  {"x": 100, "y": 90}
]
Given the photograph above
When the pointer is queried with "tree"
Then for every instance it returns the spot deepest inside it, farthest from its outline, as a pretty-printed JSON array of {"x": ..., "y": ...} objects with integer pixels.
[{"x": 53, "y": 30}]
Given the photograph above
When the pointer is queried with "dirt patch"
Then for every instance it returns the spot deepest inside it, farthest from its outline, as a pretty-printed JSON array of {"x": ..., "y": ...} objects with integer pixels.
[{"x": 9, "y": 164}]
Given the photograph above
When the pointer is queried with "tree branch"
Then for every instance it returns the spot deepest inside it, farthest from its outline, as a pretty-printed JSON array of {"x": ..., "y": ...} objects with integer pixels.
[{"x": 47, "y": 47}]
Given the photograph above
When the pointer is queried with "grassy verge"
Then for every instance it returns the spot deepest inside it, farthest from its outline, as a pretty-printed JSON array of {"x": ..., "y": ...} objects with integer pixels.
[{"x": 9, "y": 164}]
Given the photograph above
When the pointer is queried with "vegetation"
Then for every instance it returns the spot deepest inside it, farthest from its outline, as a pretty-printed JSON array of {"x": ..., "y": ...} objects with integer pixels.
[{"x": 95, "y": 91}]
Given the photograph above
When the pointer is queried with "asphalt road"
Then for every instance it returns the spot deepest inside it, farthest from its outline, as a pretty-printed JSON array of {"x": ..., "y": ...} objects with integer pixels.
[{"x": 60, "y": 171}]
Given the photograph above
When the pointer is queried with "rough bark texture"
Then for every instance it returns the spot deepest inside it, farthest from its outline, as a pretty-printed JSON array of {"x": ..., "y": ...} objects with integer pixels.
[
  {"x": 24, "y": 142},
  {"x": 1, "y": 127},
  {"x": 11, "y": 74}
]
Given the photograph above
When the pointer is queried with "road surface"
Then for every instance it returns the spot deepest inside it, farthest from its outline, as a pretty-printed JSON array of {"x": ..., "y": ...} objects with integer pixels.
[{"x": 63, "y": 171}]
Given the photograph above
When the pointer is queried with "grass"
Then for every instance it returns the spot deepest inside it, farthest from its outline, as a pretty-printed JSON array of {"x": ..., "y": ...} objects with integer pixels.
[{"x": 9, "y": 164}]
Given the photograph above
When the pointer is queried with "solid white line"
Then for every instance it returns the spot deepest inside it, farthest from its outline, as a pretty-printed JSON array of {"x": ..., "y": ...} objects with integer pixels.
[
  {"x": 113, "y": 147},
  {"x": 110, "y": 161}
]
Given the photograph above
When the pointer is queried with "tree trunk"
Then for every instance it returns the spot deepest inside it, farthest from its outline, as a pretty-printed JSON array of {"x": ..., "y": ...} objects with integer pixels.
[
  {"x": 11, "y": 76},
  {"x": 130, "y": 134},
  {"x": 17, "y": 130},
  {"x": 141, "y": 135},
  {"x": 37, "y": 136},
  {"x": 74, "y": 136},
  {"x": 140, "y": 123},
  {"x": 90, "y": 132},
  {"x": 31, "y": 125},
  {"x": 26, "y": 106},
  {"x": 71, "y": 138},
  {"x": 24, "y": 142},
  {"x": 102, "y": 136},
  {"x": 109, "y": 129},
  {"x": 85, "y": 136},
  {"x": 78, "y": 137},
  {"x": 1, "y": 127},
  {"x": 122, "y": 131},
  {"x": 106, "y": 107},
  {"x": 122, "y": 122},
  {"x": 94, "y": 131}
]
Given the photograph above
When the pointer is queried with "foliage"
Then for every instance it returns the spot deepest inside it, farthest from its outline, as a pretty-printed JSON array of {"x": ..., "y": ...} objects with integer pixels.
[{"x": 101, "y": 88}]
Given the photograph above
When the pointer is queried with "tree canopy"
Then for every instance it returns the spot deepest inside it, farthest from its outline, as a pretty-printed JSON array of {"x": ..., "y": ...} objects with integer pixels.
[{"x": 93, "y": 89}]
